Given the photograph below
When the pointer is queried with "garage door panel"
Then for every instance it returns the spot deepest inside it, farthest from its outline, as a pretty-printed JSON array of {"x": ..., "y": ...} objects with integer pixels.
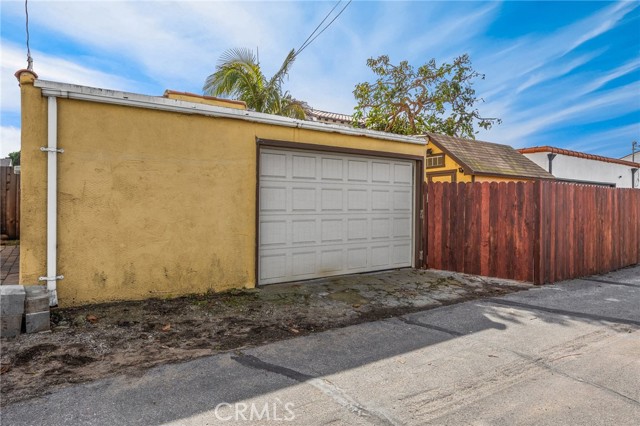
[
  {"x": 357, "y": 200},
  {"x": 328, "y": 214},
  {"x": 273, "y": 199},
  {"x": 400, "y": 253},
  {"x": 401, "y": 200},
  {"x": 332, "y": 199},
  {"x": 357, "y": 258},
  {"x": 303, "y": 263},
  {"x": 380, "y": 200},
  {"x": 380, "y": 227},
  {"x": 304, "y": 167},
  {"x": 303, "y": 199},
  {"x": 332, "y": 169},
  {"x": 273, "y": 267},
  {"x": 304, "y": 231},
  {"x": 273, "y": 232},
  {"x": 331, "y": 230},
  {"x": 403, "y": 173},
  {"x": 358, "y": 170},
  {"x": 273, "y": 165},
  {"x": 357, "y": 229},
  {"x": 380, "y": 172},
  {"x": 401, "y": 227},
  {"x": 331, "y": 260},
  {"x": 380, "y": 255}
]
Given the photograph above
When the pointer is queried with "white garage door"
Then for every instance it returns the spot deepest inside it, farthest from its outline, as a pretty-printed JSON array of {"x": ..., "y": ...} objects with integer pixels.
[{"x": 327, "y": 214}]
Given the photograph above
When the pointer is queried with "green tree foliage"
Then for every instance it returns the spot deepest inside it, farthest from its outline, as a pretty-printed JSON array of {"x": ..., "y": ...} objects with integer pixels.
[
  {"x": 431, "y": 98},
  {"x": 238, "y": 75},
  {"x": 15, "y": 158}
]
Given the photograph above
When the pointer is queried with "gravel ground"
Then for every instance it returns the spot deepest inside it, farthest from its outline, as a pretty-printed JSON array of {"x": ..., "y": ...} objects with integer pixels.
[{"x": 96, "y": 341}]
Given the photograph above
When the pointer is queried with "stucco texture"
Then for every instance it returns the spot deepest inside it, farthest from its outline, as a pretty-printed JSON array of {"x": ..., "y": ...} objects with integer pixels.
[
  {"x": 150, "y": 203},
  {"x": 449, "y": 165}
]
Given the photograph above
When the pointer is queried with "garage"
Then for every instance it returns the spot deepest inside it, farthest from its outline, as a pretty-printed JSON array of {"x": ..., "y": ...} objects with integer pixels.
[{"x": 326, "y": 213}]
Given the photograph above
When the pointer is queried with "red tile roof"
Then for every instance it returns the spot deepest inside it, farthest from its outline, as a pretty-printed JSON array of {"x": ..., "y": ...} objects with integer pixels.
[
  {"x": 578, "y": 154},
  {"x": 329, "y": 115}
]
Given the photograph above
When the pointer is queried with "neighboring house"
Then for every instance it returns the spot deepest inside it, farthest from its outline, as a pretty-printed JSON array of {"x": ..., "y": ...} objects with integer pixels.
[
  {"x": 329, "y": 117},
  {"x": 169, "y": 195},
  {"x": 580, "y": 167},
  {"x": 452, "y": 159},
  {"x": 633, "y": 157}
]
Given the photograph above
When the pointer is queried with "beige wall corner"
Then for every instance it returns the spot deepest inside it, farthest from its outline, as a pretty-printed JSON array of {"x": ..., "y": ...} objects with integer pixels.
[{"x": 33, "y": 184}]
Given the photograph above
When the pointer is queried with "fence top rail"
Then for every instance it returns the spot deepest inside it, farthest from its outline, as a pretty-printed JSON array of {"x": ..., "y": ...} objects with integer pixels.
[{"x": 546, "y": 183}]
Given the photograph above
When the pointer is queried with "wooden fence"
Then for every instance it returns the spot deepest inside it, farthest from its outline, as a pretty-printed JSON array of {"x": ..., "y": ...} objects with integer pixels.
[
  {"x": 9, "y": 203},
  {"x": 541, "y": 232}
]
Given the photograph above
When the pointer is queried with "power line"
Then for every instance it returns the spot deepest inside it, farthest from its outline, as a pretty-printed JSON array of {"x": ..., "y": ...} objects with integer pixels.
[
  {"x": 308, "y": 42},
  {"x": 316, "y": 29},
  {"x": 29, "y": 58}
]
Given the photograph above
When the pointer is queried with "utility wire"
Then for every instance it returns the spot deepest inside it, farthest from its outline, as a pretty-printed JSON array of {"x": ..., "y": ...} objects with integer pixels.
[
  {"x": 308, "y": 42},
  {"x": 316, "y": 29},
  {"x": 29, "y": 58}
]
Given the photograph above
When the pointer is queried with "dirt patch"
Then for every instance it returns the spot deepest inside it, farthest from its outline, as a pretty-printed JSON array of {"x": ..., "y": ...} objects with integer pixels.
[{"x": 91, "y": 342}]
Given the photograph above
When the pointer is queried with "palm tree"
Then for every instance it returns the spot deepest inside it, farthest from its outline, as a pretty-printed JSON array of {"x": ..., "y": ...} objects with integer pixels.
[{"x": 238, "y": 75}]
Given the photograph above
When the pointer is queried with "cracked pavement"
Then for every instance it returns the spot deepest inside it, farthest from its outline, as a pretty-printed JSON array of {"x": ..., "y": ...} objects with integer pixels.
[{"x": 559, "y": 354}]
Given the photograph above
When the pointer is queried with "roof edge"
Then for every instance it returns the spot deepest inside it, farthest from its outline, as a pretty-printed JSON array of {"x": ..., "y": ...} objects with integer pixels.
[
  {"x": 92, "y": 94},
  {"x": 169, "y": 92},
  {"x": 466, "y": 167},
  {"x": 578, "y": 154}
]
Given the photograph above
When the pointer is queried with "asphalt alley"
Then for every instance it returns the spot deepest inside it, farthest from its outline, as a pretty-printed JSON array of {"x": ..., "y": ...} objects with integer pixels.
[{"x": 559, "y": 354}]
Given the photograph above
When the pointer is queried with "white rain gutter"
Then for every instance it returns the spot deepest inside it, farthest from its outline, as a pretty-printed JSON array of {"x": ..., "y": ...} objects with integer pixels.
[
  {"x": 83, "y": 93},
  {"x": 52, "y": 199}
]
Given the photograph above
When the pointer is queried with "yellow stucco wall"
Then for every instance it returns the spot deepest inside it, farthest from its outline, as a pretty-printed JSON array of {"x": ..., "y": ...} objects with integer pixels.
[
  {"x": 449, "y": 165},
  {"x": 33, "y": 183},
  {"x": 151, "y": 203}
]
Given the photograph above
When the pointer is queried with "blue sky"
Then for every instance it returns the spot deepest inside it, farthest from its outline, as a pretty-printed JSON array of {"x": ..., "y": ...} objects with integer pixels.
[{"x": 565, "y": 74}]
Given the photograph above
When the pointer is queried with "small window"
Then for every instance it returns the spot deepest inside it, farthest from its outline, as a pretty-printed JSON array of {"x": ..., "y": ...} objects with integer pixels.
[{"x": 433, "y": 161}]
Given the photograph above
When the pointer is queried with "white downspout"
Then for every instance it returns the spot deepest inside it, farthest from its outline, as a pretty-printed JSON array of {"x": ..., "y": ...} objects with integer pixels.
[{"x": 52, "y": 200}]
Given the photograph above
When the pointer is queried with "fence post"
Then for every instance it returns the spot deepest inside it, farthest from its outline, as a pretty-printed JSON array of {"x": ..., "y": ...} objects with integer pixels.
[
  {"x": 537, "y": 232},
  {"x": 10, "y": 202}
]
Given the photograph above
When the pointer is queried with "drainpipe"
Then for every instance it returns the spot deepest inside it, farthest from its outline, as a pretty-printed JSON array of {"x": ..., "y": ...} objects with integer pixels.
[
  {"x": 52, "y": 201},
  {"x": 551, "y": 157},
  {"x": 633, "y": 177}
]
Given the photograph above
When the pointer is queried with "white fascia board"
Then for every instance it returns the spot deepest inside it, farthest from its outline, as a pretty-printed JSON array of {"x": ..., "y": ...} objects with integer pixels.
[{"x": 92, "y": 94}]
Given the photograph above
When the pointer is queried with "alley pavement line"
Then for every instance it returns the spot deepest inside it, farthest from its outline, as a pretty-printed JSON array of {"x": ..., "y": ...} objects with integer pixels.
[
  {"x": 584, "y": 315},
  {"x": 610, "y": 282},
  {"x": 323, "y": 385},
  {"x": 541, "y": 363},
  {"x": 429, "y": 326}
]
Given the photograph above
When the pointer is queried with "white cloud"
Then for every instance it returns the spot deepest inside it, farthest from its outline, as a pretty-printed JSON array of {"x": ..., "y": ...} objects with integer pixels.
[
  {"x": 532, "y": 83},
  {"x": 612, "y": 75},
  {"x": 600, "y": 23},
  {"x": 534, "y": 86},
  {"x": 170, "y": 41},
  {"x": 615, "y": 141},
  {"x": 50, "y": 68},
  {"x": 524, "y": 125},
  {"x": 10, "y": 140},
  {"x": 446, "y": 31}
]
